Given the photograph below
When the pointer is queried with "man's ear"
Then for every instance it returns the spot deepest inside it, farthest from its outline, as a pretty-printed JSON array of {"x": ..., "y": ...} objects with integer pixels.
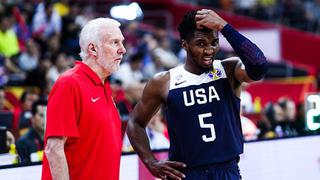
[
  {"x": 184, "y": 44},
  {"x": 92, "y": 49}
]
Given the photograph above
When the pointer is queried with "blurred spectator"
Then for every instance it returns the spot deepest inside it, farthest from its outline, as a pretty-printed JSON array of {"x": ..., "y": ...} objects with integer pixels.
[
  {"x": 29, "y": 60},
  {"x": 2, "y": 99},
  {"x": 249, "y": 129},
  {"x": 60, "y": 66},
  {"x": 27, "y": 99},
  {"x": 8, "y": 39},
  {"x": 32, "y": 141},
  {"x": 301, "y": 119},
  {"x": 130, "y": 73},
  {"x": 70, "y": 30},
  {"x": 245, "y": 7},
  {"x": 289, "y": 124},
  {"x": 21, "y": 27},
  {"x": 86, "y": 15},
  {"x": 154, "y": 67},
  {"x": 269, "y": 125},
  {"x": 131, "y": 33},
  {"x": 157, "y": 132},
  {"x": 37, "y": 77},
  {"x": 123, "y": 105},
  {"x": 3, "y": 72},
  {"x": 6, "y": 140},
  {"x": 52, "y": 46},
  {"x": 246, "y": 99},
  {"x": 165, "y": 54},
  {"x": 46, "y": 21},
  {"x": 312, "y": 9}
]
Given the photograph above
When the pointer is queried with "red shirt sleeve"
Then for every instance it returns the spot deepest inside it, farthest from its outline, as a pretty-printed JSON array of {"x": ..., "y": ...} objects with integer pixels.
[{"x": 63, "y": 110}]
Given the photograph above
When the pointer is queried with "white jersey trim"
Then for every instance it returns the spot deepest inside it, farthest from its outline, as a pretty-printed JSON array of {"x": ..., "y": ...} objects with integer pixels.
[{"x": 180, "y": 78}]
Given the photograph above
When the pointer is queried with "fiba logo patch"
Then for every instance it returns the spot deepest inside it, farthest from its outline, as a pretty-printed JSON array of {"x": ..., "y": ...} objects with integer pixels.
[
  {"x": 179, "y": 77},
  {"x": 215, "y": 74}
]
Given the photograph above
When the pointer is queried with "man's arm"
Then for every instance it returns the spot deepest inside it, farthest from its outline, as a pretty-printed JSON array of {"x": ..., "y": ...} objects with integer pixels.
[
  {"x": 253, "y": 59},
  {"x": 54, "y": 151},
  {"x": 152, "y": 97}
]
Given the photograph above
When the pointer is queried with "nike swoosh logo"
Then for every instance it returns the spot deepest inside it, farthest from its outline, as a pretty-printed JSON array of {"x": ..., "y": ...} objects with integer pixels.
[
  {"x": 178, "y": 83},
  {"x": 96, "y": 99}
]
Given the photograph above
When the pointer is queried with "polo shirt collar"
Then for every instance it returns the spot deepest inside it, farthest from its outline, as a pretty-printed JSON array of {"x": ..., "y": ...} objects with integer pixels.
[{"x": 89, "y": 72}]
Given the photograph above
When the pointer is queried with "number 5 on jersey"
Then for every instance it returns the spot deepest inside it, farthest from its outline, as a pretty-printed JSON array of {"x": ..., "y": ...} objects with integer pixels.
[{"x": 205, "y": 138}]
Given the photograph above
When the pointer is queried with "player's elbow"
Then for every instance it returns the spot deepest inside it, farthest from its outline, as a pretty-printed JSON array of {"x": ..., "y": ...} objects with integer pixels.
[{"x": 258, "y": 72}]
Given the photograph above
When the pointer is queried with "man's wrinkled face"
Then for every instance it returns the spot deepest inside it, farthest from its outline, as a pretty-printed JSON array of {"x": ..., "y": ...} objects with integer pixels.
[{"x": 111, "y": 49}]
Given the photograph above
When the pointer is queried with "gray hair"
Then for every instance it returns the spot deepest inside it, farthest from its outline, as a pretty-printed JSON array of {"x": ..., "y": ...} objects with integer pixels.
[{"x": 91, "y": 33}]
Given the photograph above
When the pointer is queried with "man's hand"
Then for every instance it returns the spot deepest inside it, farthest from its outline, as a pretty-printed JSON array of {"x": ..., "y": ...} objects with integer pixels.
[
  {"x": 209, "y": 19},
  {"x": 164, "y": 169}
]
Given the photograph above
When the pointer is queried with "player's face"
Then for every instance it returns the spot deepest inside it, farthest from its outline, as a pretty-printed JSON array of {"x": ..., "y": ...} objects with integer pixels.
[
  {"x": 111, "y": 50},
  {"x": 201, "y": 50}
]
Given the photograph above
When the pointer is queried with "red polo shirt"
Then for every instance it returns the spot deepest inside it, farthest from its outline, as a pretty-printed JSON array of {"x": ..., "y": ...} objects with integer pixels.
[{"x": 81, "y": 108}]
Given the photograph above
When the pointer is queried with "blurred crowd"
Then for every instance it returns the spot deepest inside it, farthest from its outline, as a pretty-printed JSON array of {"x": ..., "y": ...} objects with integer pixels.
[
  {"x": 301, "y": 14},
  {"x": 39, "y": 41}
]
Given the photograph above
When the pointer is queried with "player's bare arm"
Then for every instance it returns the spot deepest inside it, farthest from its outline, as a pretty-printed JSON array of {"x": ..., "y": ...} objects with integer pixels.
[
  {"x": 54, "y": 151},
  {"x": 154, "y": 94},
  {"x": 236, "y": 74}
]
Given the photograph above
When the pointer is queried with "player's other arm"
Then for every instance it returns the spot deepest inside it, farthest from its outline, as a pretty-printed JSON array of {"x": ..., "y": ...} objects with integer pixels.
[
  {"x": 255, "y": 63},
  {"x": 54, "y": 151},
  {"x": 152, "y": 97}
]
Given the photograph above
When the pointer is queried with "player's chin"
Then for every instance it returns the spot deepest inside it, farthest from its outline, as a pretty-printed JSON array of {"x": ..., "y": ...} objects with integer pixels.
[{"x": 206, "y": 66}]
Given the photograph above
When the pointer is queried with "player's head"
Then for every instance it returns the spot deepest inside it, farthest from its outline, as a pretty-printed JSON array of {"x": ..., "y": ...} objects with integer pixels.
[
  {"x": 201, "y": 44},
  {"x": 101, "y": 39}
]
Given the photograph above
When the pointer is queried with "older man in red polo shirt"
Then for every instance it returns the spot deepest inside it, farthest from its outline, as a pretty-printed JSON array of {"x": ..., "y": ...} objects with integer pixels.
[{"x": 83, "y": 128}]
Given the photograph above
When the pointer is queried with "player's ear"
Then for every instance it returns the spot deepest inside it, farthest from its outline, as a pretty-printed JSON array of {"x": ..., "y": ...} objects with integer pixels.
[
  {"x": 92, "y": 49},
  {"x": 184, "y": 44}
]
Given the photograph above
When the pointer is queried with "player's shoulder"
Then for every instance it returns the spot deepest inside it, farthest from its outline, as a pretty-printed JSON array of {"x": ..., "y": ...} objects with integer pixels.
[
  {"x": 158, "y": 84},
  {"x": 161, "y": 77}
]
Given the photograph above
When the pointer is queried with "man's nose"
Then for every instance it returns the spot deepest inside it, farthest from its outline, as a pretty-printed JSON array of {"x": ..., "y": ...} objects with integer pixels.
[
  {"x": 122, "y": 49},
  {"x": 209, "y": 50}
]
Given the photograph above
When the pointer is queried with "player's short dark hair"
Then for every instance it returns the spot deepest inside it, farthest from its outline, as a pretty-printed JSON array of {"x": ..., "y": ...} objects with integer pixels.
[
  {"x": 188, "y": 26},
  {"x": 35, "y": 105}
]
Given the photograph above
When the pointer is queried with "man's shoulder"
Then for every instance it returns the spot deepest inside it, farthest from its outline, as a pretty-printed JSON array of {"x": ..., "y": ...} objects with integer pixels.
[
  {"x": 68, "y": 80},
  {"x": 71, "y": 76}
]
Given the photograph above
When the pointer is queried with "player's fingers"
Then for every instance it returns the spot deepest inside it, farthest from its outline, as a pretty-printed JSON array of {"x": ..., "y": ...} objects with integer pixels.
[
  {"x": 200, "y": 17},
  {"x": 203, "y": 11},
  {"x": 201, "y": 23},
  {"x": 173, "y": 175},
  {"x": 176, "y": 164},
  {"x": 173, "y": 171}
]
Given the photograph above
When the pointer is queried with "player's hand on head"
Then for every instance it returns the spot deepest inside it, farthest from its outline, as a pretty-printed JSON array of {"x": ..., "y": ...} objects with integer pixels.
[
  {"x": 166, "y": 169},
  {"x": 209, "y": 19}
]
